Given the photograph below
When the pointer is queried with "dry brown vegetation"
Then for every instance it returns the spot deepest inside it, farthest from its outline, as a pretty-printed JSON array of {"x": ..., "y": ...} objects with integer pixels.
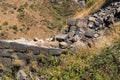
[
  {"x": 33, "y": 18},
  {"x": 97, "y": 5}
]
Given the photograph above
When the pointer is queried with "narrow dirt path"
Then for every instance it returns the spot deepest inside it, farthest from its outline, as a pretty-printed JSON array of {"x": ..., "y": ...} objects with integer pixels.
[{"x": 87, "y": 11}]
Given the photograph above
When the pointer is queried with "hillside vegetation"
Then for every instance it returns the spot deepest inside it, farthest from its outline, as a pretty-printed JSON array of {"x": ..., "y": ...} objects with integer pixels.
[
  {"x": 42, "y": 19},
  {"x": 34, "y": 18}
]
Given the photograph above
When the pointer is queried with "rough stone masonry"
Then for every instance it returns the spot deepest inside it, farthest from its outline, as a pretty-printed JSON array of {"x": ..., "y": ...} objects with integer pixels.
[{"x": 79, "y": 34}]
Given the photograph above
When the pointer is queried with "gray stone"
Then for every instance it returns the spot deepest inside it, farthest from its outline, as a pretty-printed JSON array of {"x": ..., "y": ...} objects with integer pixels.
[
  {"x": 89, "y": 33},
  {"x": 5, "y": 53},
  {"x": 82, "y": 3},
  {"x": 76, "y": 38},
  {"x": 4, "y": 44},
  {"x": 18, "y": 47},
  {"x": 71, "y": 22},
  {"x": 61, "y": 37},
  {"x": 44, "y": 50},
  {"x": 81, "y": 23},
  {"x": 34, "y": 49},
  {"x": 7, "y": 62},
  {"x": 63, "y": 45},
  {"x": 72, "y": 28},
  {"x": 1, "y": 59},
  {"x": 71, "y": 34},
  {"x": 21, "y": 55},
  {"x": 55, "y": 51}
]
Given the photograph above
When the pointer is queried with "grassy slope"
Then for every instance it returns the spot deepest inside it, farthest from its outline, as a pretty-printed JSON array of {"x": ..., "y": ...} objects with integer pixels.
[
  {"x": 89, "y": 9},
  {"x": 33, "y": 18},
  {"x": 88, "y": 65}
]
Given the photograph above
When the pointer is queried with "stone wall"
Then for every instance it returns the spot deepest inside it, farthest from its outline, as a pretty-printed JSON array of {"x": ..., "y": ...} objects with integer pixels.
[{"x": 9, "y": 51}]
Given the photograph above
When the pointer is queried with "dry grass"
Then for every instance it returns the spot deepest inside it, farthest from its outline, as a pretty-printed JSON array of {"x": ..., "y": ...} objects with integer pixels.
[
  {"x": 87, "y": 11},
  {"x": 18, "y": 63},
  {"x": 110, "y": 36}
]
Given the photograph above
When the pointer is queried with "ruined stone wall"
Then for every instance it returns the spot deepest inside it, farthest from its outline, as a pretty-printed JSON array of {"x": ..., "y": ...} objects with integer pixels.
[{"x": 10, "y": 51}]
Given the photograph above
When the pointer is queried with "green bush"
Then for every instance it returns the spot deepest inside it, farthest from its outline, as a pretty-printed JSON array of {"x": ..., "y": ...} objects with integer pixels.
[
  {"x": 15, "y": 28},
  {"x": 103, "y": 66},
  {"x": 5, "y": 23}
]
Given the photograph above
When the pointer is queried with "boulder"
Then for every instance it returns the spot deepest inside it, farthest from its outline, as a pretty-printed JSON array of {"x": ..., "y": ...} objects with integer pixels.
[
  {"x": 72, "y": 28},
  {"x": 71, "y": 34},
  {"x": 61, "y": 37},
  {"x": 44, "y": 50},
  {"x": 76, "y": 38},
  {"x": 7, "y": 62},
  {"x": 81, "y": 23},
  {"x": 71, "y": 22},
  {"x": 5, "y": 53},
  {"x": 63, "y": 45},
  {"x": 89, "y": 33}
]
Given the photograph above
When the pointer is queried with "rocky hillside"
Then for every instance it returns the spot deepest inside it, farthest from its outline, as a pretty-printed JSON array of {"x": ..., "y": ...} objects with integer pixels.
[
  {"x": 54, "y": 58},
  {"x": 34, "y": 18}
]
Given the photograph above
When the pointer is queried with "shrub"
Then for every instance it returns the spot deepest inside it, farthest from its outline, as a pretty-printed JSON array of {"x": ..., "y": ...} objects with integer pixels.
[
  {"x": 15, "y": 28},
  {"x": 5, "y": 77},
  {"x": 90, "y": 3},
  {"x": 0, "y": 27},
  {"x": 5, "y": 23}
]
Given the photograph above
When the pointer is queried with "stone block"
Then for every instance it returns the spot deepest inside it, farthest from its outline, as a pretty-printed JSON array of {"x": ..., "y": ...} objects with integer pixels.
[
  {"x": 55, "y": 51},
  {"x": 44, "y": 50},
  {"x": 71, "y": 22},
  {"x": 7, "y": 62},
  {"x": 4, "y": 44},
  {"x": 89, "y": 33},
  {"x": 18, "y": 47},
  {"x": 61, "y": 37},
  {"x": 34, "y": 49}
]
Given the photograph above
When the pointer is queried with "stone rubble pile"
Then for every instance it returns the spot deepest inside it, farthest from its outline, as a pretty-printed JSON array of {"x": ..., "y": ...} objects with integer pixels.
[{"x": 82, "y": 31}]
